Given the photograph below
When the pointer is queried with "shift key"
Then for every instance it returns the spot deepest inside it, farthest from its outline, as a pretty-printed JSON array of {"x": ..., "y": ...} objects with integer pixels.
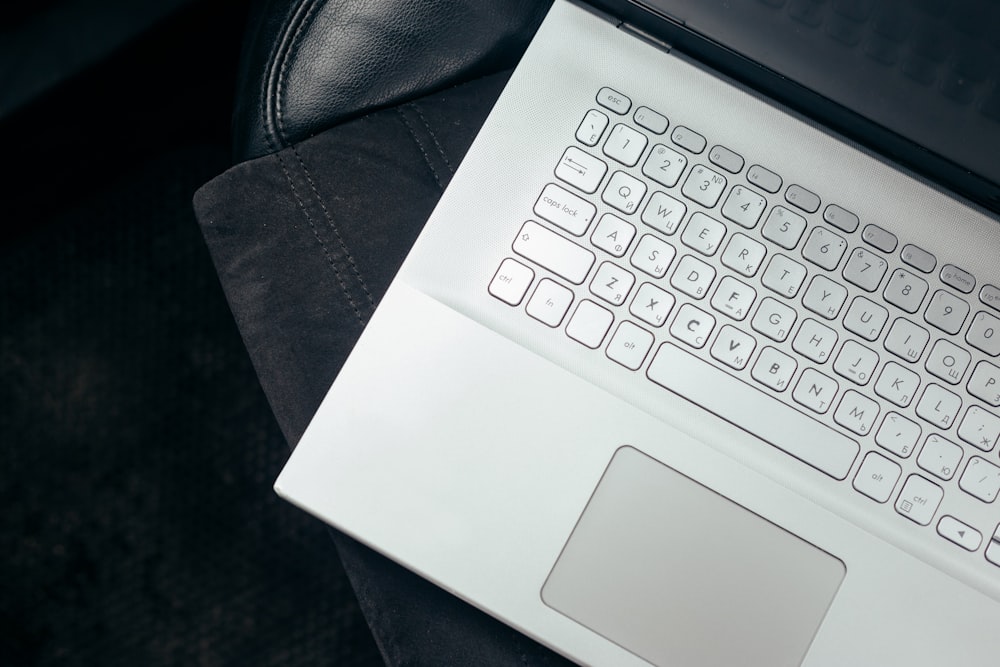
[{"x": 553, "y": 252}]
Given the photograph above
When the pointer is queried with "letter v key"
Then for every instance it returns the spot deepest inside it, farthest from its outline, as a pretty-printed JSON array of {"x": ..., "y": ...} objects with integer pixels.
[{"x": 733, "y": 347}]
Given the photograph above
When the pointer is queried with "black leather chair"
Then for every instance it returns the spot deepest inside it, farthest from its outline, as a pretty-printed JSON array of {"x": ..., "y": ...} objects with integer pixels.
[{"x": 350, "y": 119}]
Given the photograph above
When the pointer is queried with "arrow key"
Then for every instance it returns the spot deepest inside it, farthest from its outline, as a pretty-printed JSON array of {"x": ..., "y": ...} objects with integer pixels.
[{"x": 960, "y": 533}]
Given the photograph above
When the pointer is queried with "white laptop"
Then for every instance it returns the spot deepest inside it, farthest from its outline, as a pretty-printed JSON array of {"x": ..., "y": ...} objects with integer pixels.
[{"x": 676, "y": 376}]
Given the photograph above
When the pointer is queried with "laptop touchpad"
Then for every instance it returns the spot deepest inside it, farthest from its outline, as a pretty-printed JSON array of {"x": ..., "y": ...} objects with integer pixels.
[{"x": 680, "y": 575}]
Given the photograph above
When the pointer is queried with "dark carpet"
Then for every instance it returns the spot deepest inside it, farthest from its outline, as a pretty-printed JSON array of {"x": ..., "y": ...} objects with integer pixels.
[{"x": 138, "y": 523}]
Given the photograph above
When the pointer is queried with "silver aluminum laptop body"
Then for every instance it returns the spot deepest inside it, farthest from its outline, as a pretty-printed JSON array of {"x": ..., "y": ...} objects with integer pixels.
[{"x": 493, "y": 443}]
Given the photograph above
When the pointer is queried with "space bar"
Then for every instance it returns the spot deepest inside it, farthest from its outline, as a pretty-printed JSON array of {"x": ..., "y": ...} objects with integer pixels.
[{"x": 751, "y": 409}]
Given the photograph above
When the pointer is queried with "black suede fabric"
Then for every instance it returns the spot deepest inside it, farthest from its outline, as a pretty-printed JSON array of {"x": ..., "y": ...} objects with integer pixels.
[{"x": 305, "y": 242}]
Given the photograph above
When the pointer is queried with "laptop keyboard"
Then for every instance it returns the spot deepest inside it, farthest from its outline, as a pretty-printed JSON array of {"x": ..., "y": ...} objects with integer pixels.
[{"x": 856, "y": 352}]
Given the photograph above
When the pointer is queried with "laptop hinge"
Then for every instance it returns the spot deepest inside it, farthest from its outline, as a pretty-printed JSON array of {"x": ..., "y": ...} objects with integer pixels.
[
  {"x": 646, "y": 37},
  {"x": 599, "y": 13}
]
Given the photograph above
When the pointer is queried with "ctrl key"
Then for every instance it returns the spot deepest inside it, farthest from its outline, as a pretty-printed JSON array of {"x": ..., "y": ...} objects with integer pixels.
[
  {"x": 511, "y": 282},
  {"x": 919, "y": 499}
]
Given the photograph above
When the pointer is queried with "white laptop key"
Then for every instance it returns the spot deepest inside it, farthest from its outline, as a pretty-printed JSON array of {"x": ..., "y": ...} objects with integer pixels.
[
  {"x": 625, "y": 145},
  {"x": 692, "y": 326},
  {"x": 960, "y": 279},
  {"x": 774, "y": 369},
  {"x": 985, "y": 383},
  {"x": 511, "y": 282},
  {"x": 744, "y": 206},
  {"x": 773, "y": 319},
  {"x": 704, "y": 186},
  {"x": 897, "y": 384},
  {"x": 815, "y": 390},
  {"x": 960, "y": 533},
  {"x": 564, "y": 209},
  {"x": 882, "y": 239},
  {"x": 841, "y": 218},
  {"x": 733, "y": 347},
  {"x": 783, "y": 227},
  {"x": 865, "y": 269},
  {"x": 919, "y": 499},
  {"x": 612, "y": 283},
  {"x": 918, "y": 258},
  {"x": 990, "y": 295},
  {"x": 609, "y": 98},
  {"x": 898, "y": 434},
  {"x": 783, "y": 275},
  {"x": 993, "y": 552},
  {"x": 877, "y": 477},
  {"x": 948, "y": 361},
  {"x": 624, "y": 192},
  {"x": 613, "y": 235},
  {"x": 856, "y": 362},
  {"x": 947, "y": 312},
  {"x": 687, "y": 138},
  {"x": 733, "y": 298},
  {"x": 824, "y": 297},
  {"x": 984, "y": 334},
  {"x": 815, "y": 340},
  {"x": 939, "y": 456},
  {"x": 629, "y": 345},
  {"x": 824, "y": 248},
  {"x": 651, "y": 120},
  {"x": 581, "y": 170},
  {"x": 906, "y": 340},
  {"x": 589, "y": 324},
  {"x": 553, "y": 252},
  {"x": 856, "y": 412},
  {"x": 729, "y": 160},
  {"x": 703, "y": 234},
  {"x": 693, "y": 277},
  {"x": 980, "y": 428},
  {"x": 939, "y": 406},
  {"x": 744, "y": 255},
  {"x": 653, "y": 256},
  {"x": 764, "y": 178},
  {"x": 981, "y": 479},
  {"x": 866, "y": 318},
  {"x": 591, "y": 128},
  {"x": 652, "y": 305},
  {"x": 799, "y": 197},
  {"x": 664, "y": 165},
  {"x": 905, "y": 290},
  {"x": 752, "y": 409},
  {"x": 664, "y": 213},
  {"x": 550, "y": 302}
]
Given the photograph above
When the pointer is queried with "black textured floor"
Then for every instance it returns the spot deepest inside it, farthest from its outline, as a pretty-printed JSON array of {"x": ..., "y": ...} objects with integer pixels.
[{"x": 137, "y": 521}]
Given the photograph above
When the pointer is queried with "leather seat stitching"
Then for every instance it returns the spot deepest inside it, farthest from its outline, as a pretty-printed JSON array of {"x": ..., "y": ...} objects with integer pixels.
[
  {"x": 434, "y": 138},
  {"x": 326, "y": 252},
  {"x": 286, "y": 56},
  {"x": 420, "y": 146},
  {"x": 336, "y": 232},
  {"x": 267, "y": 93}
]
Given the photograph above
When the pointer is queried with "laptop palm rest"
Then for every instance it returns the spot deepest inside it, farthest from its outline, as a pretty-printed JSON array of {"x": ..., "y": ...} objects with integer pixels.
[{"x": 679, "y": 575}]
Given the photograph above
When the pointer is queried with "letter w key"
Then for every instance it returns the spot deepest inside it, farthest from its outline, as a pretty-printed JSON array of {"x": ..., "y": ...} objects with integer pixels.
[{"x": 664, "y": 213}]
